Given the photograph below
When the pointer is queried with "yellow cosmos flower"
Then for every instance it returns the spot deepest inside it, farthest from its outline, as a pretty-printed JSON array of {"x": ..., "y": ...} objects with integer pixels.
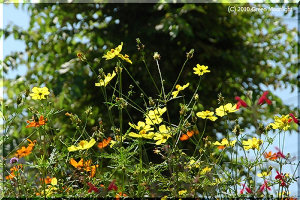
[
  {"x": 207, "y": 115},
  {"x": 164, "y": 198},
  {"x": 154, "y": 116},
  {"x": 225, "y": 143},
  {"x": 39, "y": 93},
  {"x": 113, "y": 52},
  {"x": 143, "y": 130},
  {"x": 116, "y": 52},
  {"x": 125, "y": 57},
  {"x": 282, "y": 123},
  {"x": 163, "y": 135},
  {"x": 264, "y": 174},
  {"x": 205, "y": 170},
  {"x": 253, "y": 143},
  {"x": 53, "y": 181},
  {"x": 83, "y": 144},
  {"x": 200, "y": 70},
  {"x": 179, "y": 88},
  {"x": 182, "y": 192},
  {"x": 107, "y": 79},
  {"x": 223, "y": 110}
]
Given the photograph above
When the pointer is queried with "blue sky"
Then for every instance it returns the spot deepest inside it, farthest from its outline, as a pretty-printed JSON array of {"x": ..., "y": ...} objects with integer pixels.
[{"x": 20, "y": 17}]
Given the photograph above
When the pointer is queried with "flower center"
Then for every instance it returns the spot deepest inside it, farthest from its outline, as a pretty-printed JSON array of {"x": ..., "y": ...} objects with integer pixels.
[{"x": 82, "y": 143}]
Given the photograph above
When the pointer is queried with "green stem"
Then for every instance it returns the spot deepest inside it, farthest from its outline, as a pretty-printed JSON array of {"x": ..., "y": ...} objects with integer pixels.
[
  {"x": 163, "y": 90},
  {"x": 140, "y": 166},
  {"x": 178, "y": 77},
  {"x": 120, "y": 108},
  {"x": 195, "y": 92},
  {"x": 151, "y": 77},
  {"x": 200, "y": 137}
]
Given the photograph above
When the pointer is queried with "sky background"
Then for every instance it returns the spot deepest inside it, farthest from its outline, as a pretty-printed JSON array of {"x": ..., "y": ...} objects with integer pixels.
[{"x": 19, "y": 16}]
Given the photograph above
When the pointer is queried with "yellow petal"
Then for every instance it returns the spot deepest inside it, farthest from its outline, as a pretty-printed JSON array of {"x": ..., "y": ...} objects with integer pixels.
[{"x": 54, "y": 181}]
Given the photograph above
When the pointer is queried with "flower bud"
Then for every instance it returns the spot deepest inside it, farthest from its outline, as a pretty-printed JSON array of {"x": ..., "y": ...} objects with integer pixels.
[
  {"x": 81, "y": 56},
  {"x": 156, "y": 56},
  {"x": 190, "y": 54},
  {"x": 19, "y": 100}
]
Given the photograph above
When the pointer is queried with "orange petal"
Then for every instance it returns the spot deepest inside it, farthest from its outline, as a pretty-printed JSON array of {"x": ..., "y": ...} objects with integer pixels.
[{"x": 184, "y": 137}]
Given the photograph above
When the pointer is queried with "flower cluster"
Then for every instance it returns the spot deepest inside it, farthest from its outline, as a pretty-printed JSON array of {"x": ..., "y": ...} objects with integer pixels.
[{"x": 85, "y": 165}]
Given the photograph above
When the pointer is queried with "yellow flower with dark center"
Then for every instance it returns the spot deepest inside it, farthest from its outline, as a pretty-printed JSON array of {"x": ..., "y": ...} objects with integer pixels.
[
  {"x": 116, "y": 52},
  {"x": 107, "y": 79},
  {"x": 83, "y": 144},
  {"x": 179, "y": 88},
  {"x": 207, "y": 115},
  {"x": 143, "y": 129},
  {"x": 224, "y": 109},
  {"x": 200, "y": 70},
  {"x": 253, "y": 143},
  {"x": 154, "y": 116},
  {"x": 163, "y": 135},
  {"x": 39, "y": 93},
  {"x": 282, "y": 123}
]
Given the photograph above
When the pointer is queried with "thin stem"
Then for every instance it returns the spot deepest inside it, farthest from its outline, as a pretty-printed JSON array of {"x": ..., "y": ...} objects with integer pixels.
[
  {"x": 123, "y": 67},
  {"x": 163, "y": 90},
  {"x": 178, "y": 77},
  {"x": 161, "y": 80},
  {"x": 200, "y": 137},
  {"x": 140, "y": 166},
  {"x": 120, "y": 108},
  {"x": 195, "y": 92},
  {"x": 151, "y": 77}
]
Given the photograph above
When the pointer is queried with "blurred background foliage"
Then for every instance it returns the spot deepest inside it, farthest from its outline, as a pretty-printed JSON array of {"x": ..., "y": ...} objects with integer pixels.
[{"x": 246, "y": 51}]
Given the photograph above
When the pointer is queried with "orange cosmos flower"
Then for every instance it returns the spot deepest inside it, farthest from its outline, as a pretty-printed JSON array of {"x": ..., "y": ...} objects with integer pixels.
[
  {"x": 34, "y": 123},
  {"x": 78, "y": 164},
  {"x": 24, "y": 151},
  {"x": 221, "y": 147},
  {"x": 47, "y": 180},
  {"x": 104, "y": 143},
  {"x": 187, "y": 135},
  {"x": 120, "y": 195},
  {"x": 270, "y": 156},
  {"x": 85, "y": 165},
  {"x": 92, "y": 169},
  {"x": 13, "y": 172}
]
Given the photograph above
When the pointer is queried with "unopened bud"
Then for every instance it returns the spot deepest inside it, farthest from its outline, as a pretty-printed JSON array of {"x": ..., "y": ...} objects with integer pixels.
[
  {"x": 156, "y": 56},
  {"x": 151, "y": 102},
  {"x": 19, "y": 100},
  {"x": 81, "y": 56},
  {"x": 190, "y": 54}
]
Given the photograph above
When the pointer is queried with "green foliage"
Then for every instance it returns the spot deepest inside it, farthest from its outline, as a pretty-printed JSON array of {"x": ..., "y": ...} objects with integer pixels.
[{"x": 245, "y": 52}]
